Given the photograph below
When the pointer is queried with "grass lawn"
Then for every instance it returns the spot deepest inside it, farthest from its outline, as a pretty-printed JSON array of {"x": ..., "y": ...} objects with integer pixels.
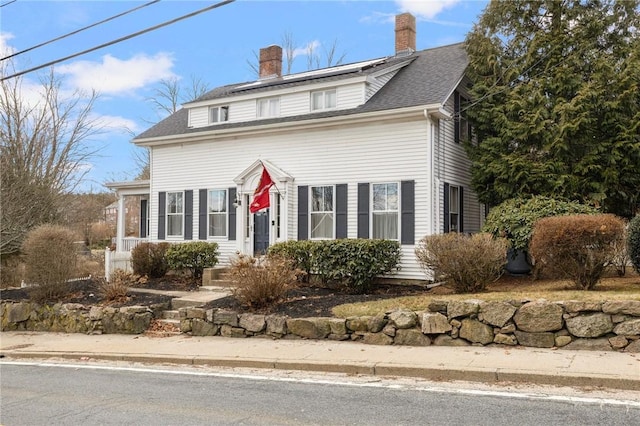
[{"x": 611, "y": 287}]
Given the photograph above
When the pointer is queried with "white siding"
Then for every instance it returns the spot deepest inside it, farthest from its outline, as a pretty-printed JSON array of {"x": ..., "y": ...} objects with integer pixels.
[
  {"x": 291, "y": 103},
  {"x": 199, "y": 117},
  {"x": 381, "y": 152}
]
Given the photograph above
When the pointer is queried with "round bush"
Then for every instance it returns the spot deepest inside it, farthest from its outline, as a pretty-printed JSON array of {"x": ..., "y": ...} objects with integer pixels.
[
  {"x": 194, "y": 256},
  {"x": 633, "y": 242},
  {"x": 150, "y": 259},
  {"x": 50, "y": 261},
  {"x": 514, "y": 219}
]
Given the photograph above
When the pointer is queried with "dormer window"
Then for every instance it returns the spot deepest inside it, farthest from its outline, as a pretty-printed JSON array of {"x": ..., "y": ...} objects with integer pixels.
[
  {"x": 323, "y": 99},
  {"x": 219, "y": 114},
  {"x": 269, "y": 107}
]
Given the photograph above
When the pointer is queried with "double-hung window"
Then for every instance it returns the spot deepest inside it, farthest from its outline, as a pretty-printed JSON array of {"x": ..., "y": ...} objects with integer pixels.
[
  {"x": 322, "y": 212},
  {"x": 219, "y": 114},
  {"x": 323, "y": 99},
  {"x": 217, "y": 211},
  {"x": 269, "y": 107},
  {"x": 385, "y": 217},
  {"x": 454, "y": 208},
  {"x": 175, "y": 213}
]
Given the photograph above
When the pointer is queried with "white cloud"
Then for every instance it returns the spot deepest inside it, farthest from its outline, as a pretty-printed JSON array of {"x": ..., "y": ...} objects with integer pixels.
[
  {"x": 116, "y": 124},
  {"x": 5, "y": 49},
  {"x": 426, "y": 9},
  {"x": 117, "y": 76},
  {"x": 305, "y": 50}
]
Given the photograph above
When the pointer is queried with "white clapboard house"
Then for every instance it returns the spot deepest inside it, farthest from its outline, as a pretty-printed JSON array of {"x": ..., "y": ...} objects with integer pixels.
[{"x": 371, "y": 149}]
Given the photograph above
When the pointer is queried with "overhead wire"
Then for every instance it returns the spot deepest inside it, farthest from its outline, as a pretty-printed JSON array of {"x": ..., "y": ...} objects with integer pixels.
[
  {"x": 7, "y": 3},
  {"x": 79, "y": 30},
  {"x": 121, "y": 39}
]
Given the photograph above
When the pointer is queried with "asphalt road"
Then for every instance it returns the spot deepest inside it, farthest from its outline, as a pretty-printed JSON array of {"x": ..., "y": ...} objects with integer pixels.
[{"x": 47, "y": 394}]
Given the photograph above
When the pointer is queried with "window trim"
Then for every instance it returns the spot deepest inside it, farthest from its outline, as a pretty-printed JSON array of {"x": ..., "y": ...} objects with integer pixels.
[
  {"x": 225, "y": 213},
  {"x": 398, "y": 210},
  {"x": 218, "y": 109},
  {"x": 324, "y": 93},
  {"x": 169, "y": 214},
  {"x": 457, "y": 212},
  {"x": 269, "y": 114},
  {"x": 461, "y": 121},
  {"x": 333, "y": 212}
]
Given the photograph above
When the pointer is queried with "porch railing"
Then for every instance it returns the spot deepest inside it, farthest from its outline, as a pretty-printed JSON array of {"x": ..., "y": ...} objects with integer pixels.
[{"x": 128, "y": 243}]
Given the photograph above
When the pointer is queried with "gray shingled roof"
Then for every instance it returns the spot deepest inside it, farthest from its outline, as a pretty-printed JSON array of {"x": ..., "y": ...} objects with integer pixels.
[{"x": 428, "y": 79}]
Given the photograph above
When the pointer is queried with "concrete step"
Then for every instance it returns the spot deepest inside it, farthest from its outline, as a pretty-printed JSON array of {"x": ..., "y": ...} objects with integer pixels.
[
  {"x": 170, "y": 321},
  {"x": 184, "y": 302},
  {"x": 171, "y": 315},
  {"x": 212, "y": 274}
]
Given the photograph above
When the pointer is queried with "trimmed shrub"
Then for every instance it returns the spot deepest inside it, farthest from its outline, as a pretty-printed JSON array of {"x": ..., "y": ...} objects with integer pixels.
[
  {"x": 633, "y": 242},
  {"x": 150, "y": 259},
  {"x": 50, "y": 257},
  {"x": 468, "y": 262},
  {"x": 350, "y": 263},
  {"x": 262, "y": 283},
  {"x": 194, "y": 256},
  {"x": 514, "y": 219},
  {"x": 354, "y": 263},
  {"x": 578, "y": 247},
  {"x": 299, "y": 252}
]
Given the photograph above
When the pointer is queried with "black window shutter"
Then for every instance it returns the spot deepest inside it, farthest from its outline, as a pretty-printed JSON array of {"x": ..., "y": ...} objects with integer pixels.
[
  {"x": 303, "y": 212},
  {"x": 188, "y": 215},
  {"x": 232, "y": 214},
  {"x": 341, "y": 210},
  {"x": 363, "y": 210},
  {"x": 143, "y": 218},
  {"x": 461, "y": 208},
  {"x": 408, "y": 212},
  {"x": 446, "y": 208},
  {"x": 202, "y": 214},
  {"x": 162, "y": 211},
  {"x": 456, "y": 115}
]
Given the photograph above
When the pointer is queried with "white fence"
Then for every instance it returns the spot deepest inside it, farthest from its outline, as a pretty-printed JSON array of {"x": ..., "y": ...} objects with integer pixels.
[
  {"x": 116, "y": 260},
  {"x": 129, "y": 243}
]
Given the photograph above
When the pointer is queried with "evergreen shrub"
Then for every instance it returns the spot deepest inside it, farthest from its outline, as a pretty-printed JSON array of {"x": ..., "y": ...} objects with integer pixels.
[
  {"x": 50, "y": 258},
  {"x": 299, "y": 252},
  {"x": 514, "y": 219},
  {"x": 633, "y": 242},
  {"x": 468, "y": 262},
  {"x": 194, "y": 256},
  {"x": 150, "y": 259},
  {"x": 577, "y": 247}
]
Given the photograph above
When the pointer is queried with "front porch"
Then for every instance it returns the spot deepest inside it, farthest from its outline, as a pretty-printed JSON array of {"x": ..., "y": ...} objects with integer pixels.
[{"x": 132, "y": 227}]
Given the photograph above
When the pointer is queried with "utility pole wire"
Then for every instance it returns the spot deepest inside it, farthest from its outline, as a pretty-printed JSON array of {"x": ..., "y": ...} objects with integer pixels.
[
  {"x": 164, "y": 24},
  {"x": 7, "y": 3},
  {"x": 79, "y": 30}
]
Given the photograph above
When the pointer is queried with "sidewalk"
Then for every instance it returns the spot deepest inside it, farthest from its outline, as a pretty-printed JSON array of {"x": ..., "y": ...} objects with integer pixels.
[{"x": 613, "y": 370}]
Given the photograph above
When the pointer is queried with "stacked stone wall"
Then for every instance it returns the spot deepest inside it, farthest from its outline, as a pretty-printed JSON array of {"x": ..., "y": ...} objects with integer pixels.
[{"x": 607, "y": 325}]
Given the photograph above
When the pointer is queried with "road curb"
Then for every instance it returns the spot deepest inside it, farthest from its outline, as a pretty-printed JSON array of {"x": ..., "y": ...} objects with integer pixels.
[{"x": 355, "y": 368}]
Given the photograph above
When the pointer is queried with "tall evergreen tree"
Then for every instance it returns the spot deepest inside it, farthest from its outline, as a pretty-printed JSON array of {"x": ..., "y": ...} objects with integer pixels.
[{"x": 556, "y": 107}]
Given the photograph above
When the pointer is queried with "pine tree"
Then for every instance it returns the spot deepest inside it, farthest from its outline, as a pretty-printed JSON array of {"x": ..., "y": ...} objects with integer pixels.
[{"x": 556, "y": 107}]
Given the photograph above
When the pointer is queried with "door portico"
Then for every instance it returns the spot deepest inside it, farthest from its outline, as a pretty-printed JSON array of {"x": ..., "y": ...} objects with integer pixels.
[{"x": 257, "y": 231}]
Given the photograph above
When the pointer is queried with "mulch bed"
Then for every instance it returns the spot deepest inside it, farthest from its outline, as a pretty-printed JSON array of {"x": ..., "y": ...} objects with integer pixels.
[{"x": 302, "y": 302}]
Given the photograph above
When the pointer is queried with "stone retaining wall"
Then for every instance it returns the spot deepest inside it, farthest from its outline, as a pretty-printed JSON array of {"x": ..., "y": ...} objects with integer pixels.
[
  {"x": 613, "y": 325},
  {"x": 77, "y": 318},
  {"x": 609, "y": 325}
]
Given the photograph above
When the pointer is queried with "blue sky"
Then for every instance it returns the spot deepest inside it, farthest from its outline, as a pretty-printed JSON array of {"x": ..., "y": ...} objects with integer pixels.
[{"x": 213, "y": 46}]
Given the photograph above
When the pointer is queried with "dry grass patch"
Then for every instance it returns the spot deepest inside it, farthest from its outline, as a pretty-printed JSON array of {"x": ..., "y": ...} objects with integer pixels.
[{"x": 506, "y": 288}]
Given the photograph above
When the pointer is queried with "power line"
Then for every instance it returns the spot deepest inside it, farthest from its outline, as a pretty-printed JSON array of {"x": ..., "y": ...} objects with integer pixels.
[
  {"x": 155, "y": 27},
  {"x": 7, "y": 3},
  {"x": 79, "y": 30}
]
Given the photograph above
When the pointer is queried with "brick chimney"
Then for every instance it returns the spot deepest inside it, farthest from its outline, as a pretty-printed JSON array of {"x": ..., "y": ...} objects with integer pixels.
[
  {"x": 405, "y": 33},
  {"x": 271, "y": 61}
]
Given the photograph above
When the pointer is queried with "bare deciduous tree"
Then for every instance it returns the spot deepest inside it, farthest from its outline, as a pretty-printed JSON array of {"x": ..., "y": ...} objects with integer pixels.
[
  {"x": 44, "y": 150},
  {"x": 169, "y": 94}
]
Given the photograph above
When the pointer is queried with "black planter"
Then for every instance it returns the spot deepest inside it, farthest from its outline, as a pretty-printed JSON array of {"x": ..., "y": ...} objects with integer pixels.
[{"x": 518, "y": 262}]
